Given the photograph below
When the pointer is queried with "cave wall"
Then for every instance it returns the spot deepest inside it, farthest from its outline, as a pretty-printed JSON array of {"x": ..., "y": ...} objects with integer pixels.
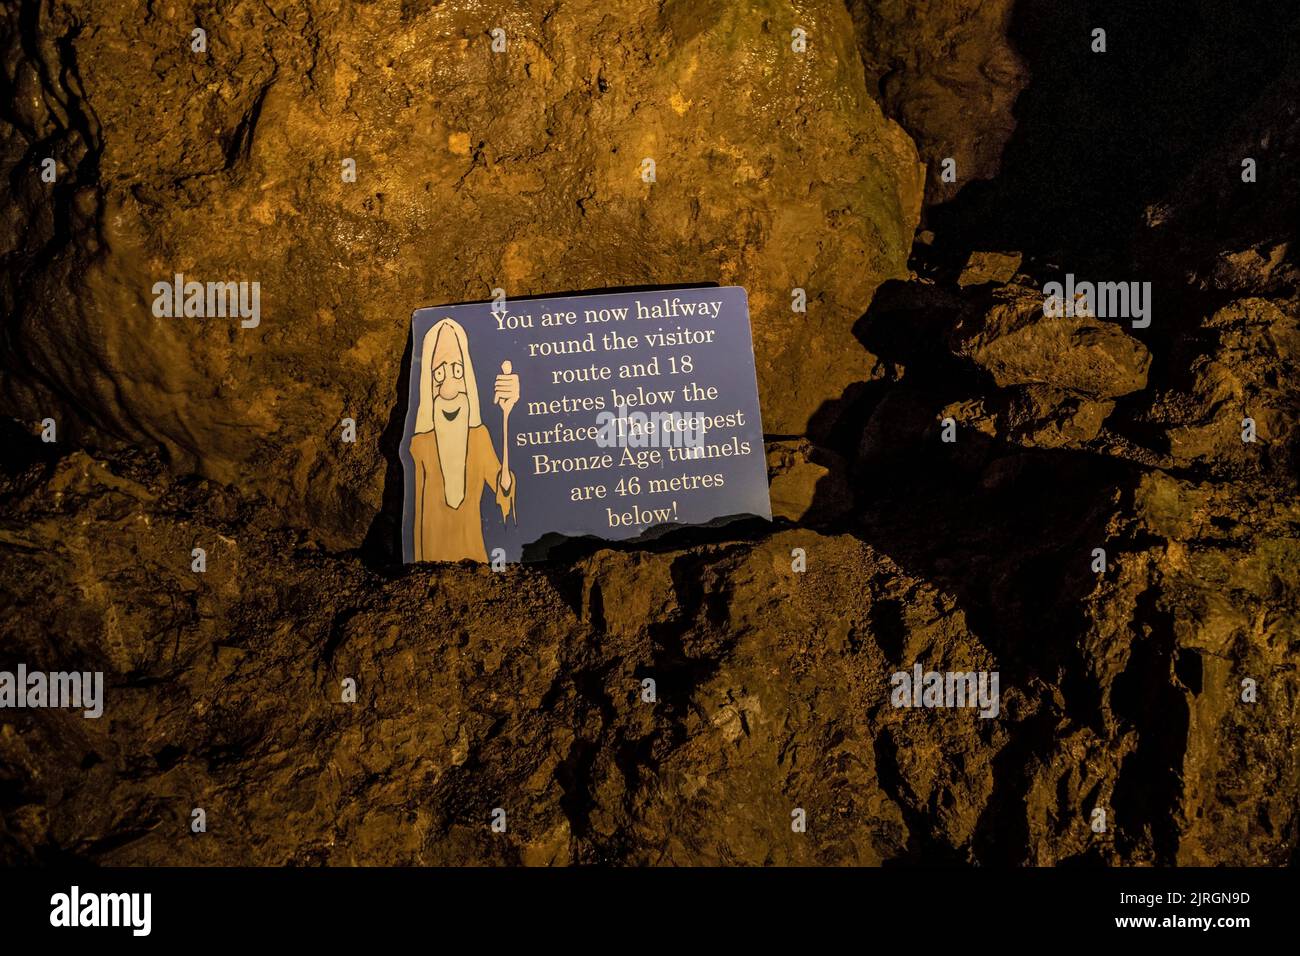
[
  {"x": 1123, "y": 689},
  {"x": 476, "y": 170}
]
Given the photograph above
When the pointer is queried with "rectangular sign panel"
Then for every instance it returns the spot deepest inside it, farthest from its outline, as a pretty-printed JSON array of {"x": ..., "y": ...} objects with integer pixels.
[{"x": 610, "y": 415}]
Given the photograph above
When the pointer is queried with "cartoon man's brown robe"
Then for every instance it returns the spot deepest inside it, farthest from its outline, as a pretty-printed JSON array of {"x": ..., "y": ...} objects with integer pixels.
[{"x": 452, "y": 451}]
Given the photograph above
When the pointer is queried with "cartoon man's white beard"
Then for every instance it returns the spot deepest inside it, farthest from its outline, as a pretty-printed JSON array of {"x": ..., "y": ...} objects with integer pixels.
[{"x": 453, "y": 449}]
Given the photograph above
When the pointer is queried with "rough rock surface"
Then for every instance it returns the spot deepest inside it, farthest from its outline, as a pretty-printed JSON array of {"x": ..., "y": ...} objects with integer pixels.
[
  {"x": 947, "y": 72},
  {"x": 999, "y": 267},
  {"x": 807, "y": 483},
  {"x": 1247, "y": 374},
  {"x": 476, "y": 690},
  {"x": 1099, "y": 533},
  {"x": 475, "y": 170},
  {"x": 1251, "y": 248},
  {"x": 1018, "y": 345},
  {"x": 523, "y": 691}
]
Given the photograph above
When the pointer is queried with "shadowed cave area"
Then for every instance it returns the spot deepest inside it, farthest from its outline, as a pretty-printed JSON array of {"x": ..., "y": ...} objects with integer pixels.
[{"x": 947, "y": 456}]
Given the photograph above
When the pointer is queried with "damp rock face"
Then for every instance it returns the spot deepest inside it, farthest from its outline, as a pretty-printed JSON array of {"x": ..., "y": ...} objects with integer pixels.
[
  {"x": 1244, "y": 385},
  {"x": 1093, "y": 524},
  {"x": 475, "y": 690},
  {"x": 1055, "y": 378},
  {"x": 997, "y": 267},
  {"x": 807, "y": 483},
  {"x": 524, "y": 170},
  {"x": 654, "y": 707},
  {"x": 1245, "y": 185},
  {"x": 945, "y": 70},
  {"x": 1017, "y": 344}
]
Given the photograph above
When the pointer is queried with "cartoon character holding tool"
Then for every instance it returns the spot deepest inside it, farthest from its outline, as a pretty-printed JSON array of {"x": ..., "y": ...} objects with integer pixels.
[{"x": 452, "y": 450}]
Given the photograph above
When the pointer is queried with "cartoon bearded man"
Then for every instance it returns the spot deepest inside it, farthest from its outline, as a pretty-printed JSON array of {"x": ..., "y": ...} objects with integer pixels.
[{"x": 452, "y": 451}]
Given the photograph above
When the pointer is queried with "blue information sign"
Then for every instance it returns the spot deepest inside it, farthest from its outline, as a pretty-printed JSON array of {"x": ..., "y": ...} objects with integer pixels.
[{"x": 610, "y": 415}]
